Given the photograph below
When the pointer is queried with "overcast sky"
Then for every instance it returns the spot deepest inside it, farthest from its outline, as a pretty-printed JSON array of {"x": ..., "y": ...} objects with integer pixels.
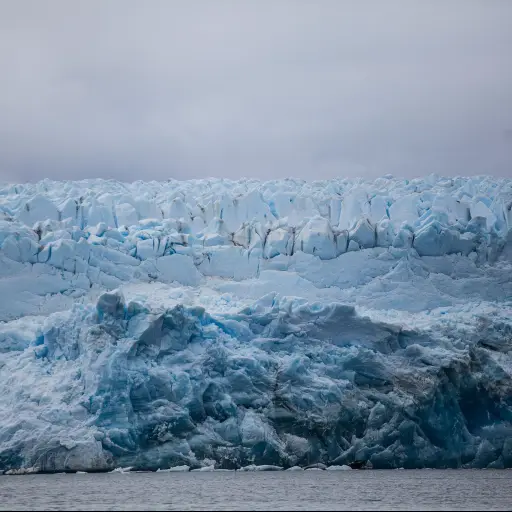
[{"x": 257, "y": 88}]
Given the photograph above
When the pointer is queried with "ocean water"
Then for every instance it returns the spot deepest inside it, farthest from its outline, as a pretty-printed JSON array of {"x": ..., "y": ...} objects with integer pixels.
[{"x": 308, "y": 490}]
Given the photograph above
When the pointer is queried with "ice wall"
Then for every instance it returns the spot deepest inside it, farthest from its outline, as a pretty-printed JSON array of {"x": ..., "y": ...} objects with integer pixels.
[{"x": 285, "y": 323}]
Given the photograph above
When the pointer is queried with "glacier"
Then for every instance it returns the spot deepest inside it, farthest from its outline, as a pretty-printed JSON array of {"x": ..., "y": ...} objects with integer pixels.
[{"x": 233, "y": 324}]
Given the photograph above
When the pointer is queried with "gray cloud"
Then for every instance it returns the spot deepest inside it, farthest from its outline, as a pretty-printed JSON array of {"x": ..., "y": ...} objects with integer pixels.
[{"x": 163, "y": 89}]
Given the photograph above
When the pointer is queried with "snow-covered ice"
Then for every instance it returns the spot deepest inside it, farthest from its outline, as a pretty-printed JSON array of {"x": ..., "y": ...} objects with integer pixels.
[{"x": 235, "y": 324}]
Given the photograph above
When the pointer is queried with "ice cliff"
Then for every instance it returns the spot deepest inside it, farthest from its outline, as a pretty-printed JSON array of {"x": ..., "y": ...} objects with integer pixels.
[{"x": 160, "y": 324}]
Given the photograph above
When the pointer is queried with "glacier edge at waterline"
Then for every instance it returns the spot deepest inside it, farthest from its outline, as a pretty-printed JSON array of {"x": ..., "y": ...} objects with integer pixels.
[{"x": 283, "y": 323}]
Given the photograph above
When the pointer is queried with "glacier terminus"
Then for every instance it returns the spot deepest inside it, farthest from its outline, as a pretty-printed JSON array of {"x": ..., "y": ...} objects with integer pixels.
[{"x": 230, "y": 324}]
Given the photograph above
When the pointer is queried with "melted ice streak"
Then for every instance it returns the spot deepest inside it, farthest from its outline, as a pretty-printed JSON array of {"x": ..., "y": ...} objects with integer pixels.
[{"x": 228, "y": 324}]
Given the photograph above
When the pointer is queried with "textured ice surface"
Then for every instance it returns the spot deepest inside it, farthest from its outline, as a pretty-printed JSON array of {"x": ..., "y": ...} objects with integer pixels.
[{"x": 224, "y": 324}]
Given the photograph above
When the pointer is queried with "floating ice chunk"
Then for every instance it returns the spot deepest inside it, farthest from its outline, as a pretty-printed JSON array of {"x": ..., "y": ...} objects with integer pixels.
[
  {"x": 175, "y": 469},
  {"x": 22, "y": 471},
  {"x": 122, "y": 470},
  {"x": 205, "y": 468},
  {"x": 263, "y": 467},
  {"x": 339, "y": 468},
  {"x": 318, "y": 465},
  {"x": 295, "y": 468}
]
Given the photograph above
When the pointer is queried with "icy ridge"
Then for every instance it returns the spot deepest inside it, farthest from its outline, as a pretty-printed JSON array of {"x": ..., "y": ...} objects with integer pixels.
[
  {"x": 212, "y": 323},
  {"x": 149, "y": 220}
]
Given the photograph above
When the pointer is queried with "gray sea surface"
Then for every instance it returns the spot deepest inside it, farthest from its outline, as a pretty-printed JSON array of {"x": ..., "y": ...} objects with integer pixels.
[{"x": 302, "y": 490}]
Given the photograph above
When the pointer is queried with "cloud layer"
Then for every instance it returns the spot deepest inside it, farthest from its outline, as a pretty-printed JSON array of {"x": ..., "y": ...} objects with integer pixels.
[{"x": 156, "y": 90}]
